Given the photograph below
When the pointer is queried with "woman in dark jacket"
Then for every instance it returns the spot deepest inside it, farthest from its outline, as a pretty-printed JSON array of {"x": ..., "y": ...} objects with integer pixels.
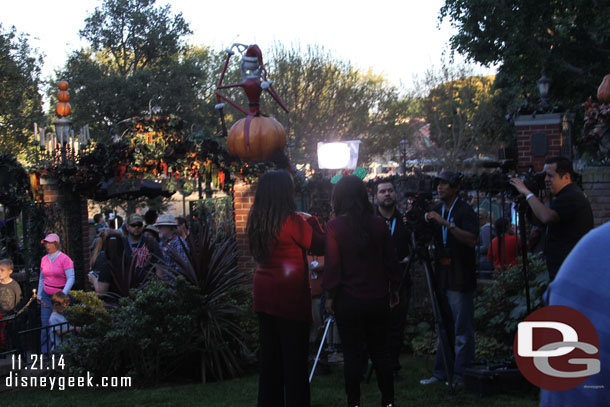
[
  {"x": 279, "y": 237},
  {"x": 361, "y": 276}
]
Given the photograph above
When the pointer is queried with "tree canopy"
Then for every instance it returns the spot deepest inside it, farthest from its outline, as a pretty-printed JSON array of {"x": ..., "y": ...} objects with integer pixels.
[
  {"x": 183, "y": 86},
  {"x": 464, "y": 120},
  {"x": 20, "y": 100},
  {"x": 138, "y": 60},
  {"x": 135, "y": 34},
  {"x": 568, "y": 39}
]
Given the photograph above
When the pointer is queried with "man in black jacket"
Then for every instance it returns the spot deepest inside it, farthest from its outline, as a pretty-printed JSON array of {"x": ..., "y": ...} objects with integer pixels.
[
  {"x": 456, "y": 228},
  {"x": 568, "y": 218},
  {"x": 385, "y": 196}
]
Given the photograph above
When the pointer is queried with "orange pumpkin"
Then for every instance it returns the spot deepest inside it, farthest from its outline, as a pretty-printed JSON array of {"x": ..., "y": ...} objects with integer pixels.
[
  {"x": 603, "y": 92},
  {"x": 62, "y": 85},
  {"x": 266, "y": 136},
  {"x": 63, "y": 109},
  {"x": 63, "y": 96}
]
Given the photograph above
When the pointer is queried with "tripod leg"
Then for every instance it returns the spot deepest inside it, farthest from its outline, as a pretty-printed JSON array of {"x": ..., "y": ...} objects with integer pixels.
[
  {"x": 440, "y": 324},
  {"x": 315, "y": 363}
]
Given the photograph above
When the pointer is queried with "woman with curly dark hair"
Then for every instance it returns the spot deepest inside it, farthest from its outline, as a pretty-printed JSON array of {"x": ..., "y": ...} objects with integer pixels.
[
  {"x": 279, "y": 237},
  {"x": 361, "y": 276}
]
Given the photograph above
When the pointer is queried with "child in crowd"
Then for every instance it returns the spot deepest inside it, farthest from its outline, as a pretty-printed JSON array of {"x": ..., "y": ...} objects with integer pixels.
[
  {"x": 10, "y": 292},
  {"x": 504, "y": 249},
  {"x": 60, "y": 302}
]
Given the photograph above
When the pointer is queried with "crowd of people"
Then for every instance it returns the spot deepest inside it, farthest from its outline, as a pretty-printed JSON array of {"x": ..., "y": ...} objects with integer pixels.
[
  {"x": 117, "y": 247},
  {"x": 366, "y": 284},
  {"x": 148, "y": 243},
  {"x": 365, "y": 287}
]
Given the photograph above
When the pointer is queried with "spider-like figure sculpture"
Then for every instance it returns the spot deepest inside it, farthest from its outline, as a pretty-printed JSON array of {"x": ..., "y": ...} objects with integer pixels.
[{"x": 254, "y": 82}]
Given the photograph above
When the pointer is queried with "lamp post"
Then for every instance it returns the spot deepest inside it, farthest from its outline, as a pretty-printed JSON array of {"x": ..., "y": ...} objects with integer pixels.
[
  {"x": 543, "y": 87},
  {"x": 403, "y": 145},
  {"x": 65, "y": 136}
]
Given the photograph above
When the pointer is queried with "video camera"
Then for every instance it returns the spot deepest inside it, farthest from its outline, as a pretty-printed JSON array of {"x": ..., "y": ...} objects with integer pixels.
[{"x": 498, "y": 181}]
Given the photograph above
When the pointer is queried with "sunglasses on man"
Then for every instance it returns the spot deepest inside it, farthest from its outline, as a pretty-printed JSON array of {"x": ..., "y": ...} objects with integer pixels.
[{"x": 136, "y": 225}]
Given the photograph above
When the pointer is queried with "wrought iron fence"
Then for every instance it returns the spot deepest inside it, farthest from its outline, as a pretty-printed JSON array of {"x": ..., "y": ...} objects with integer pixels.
[{"x": 15, "y": 340}]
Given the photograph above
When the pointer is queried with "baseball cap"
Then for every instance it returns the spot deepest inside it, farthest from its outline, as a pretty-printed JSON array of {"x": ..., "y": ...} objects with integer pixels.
[
  {"x": 134, "y": 217},
  {"x": 453, "y": 178},
  {"x": 51, "y": 238}
]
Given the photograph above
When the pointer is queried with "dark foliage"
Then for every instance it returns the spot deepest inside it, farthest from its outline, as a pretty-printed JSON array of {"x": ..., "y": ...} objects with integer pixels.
[{"x": 214, "y": 291}]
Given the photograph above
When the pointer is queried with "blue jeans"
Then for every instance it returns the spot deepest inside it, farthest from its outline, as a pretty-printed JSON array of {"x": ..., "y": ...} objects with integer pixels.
[
  {"x": 45, "y": 314},
  {"x": 459, "y": 307}
]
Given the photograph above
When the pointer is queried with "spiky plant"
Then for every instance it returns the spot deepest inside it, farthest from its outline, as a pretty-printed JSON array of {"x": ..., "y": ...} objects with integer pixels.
[{"x": 214, "y": 287}]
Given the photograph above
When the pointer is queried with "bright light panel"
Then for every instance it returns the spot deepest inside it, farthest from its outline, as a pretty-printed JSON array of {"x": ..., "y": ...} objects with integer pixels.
[{"x": 338, "y": 155}]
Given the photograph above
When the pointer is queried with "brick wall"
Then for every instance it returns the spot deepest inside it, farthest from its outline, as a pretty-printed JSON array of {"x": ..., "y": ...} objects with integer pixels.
[
  {"x": 526, "y": 126},
  {"x": 243, "y": 198},
  {"x": 596, "y": 185}
]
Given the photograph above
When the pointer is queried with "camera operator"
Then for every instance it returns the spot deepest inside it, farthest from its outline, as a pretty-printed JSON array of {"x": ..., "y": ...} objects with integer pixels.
[
  {"x": 456, "y": 228},
  {"x": 385, "y": 196},
  {"x": 569, "y": 216}
]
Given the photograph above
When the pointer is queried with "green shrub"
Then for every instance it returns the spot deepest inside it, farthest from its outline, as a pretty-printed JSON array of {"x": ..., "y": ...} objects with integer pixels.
[
  {"x": 420, "y": 335},
  {"x": 89, "y": 350},
  {"x": 152, "y": 327},
  {"x": 144, "y": 337},
  {"x": 500, "y": 306},
  {"x": 87, "y": 307}
]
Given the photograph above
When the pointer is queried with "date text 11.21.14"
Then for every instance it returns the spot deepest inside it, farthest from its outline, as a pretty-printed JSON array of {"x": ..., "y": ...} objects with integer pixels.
[{"x": 38, "y": 362}]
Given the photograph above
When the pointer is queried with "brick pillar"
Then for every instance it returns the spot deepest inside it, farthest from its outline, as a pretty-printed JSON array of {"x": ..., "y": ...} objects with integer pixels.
[
  {"x": 542, "y": 136},
  {"x": 243, "y": 198},
  {"x": 50, "y": 191},
  {"x": 71, "y": 205},
  {"x": 596, "y": 185}
]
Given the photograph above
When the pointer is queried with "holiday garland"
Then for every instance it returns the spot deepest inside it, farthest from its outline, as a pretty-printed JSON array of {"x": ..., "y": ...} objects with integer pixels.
[{"x": 154, "y": 148}]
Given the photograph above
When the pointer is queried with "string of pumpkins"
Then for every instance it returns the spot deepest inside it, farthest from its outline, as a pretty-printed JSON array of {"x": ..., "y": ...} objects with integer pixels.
[{"x": 63, "y": 108}]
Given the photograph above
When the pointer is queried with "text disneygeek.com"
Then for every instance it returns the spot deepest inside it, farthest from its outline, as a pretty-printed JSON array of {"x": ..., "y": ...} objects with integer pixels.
[{"x": 16, "y": 380}]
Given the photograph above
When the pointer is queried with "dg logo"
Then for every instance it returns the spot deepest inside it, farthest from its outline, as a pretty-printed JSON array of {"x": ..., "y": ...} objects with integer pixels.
[{"x": 557, "y": 348}]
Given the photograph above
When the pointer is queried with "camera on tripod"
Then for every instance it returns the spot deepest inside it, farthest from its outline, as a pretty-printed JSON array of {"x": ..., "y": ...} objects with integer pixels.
[
  {"x": 498, "y": 181},
  {"x": 534, "y": 181},
  {"x": 420, "y": 202}
]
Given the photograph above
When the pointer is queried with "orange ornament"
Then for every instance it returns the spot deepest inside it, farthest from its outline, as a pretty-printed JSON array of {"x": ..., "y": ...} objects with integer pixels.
[
  {"x": 62, "y": 85},
  {"x": 63, "y": 96},
  {"x": 266, "y": 136},
  {"x": 63, "y": 109}
]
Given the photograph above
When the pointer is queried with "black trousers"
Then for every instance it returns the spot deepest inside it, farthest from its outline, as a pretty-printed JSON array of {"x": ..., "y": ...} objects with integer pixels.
[
  {"x": 284, "y": 358},
  {"x": 398, "y": 323},
  {"x": 364, "y": 325}
]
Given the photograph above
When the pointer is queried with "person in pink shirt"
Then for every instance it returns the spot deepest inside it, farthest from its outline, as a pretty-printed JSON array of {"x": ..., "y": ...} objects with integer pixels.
[{"x": 56, "y": 274}]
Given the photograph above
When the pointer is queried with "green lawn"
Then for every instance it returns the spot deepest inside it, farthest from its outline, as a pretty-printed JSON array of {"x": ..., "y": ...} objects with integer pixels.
[{"x": 326, "y": 390}]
